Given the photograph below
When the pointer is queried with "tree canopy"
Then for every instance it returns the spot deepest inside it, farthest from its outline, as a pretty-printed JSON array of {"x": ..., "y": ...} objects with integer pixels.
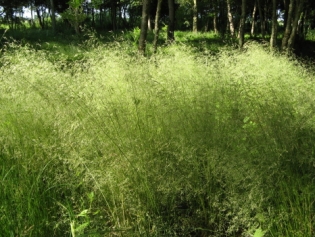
[{"x": 290, "y": 18}]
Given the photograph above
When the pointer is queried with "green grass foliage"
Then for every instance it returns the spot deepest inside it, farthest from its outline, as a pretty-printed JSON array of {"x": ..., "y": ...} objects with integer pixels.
[{"x": 178, "y": 144}]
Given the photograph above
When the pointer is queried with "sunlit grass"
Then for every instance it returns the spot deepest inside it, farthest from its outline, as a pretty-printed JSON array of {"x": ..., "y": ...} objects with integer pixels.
[{"x": 177, "y": 144}]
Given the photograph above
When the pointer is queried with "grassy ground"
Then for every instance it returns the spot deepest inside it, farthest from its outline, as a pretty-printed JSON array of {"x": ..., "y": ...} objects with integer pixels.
[{"x": 97, "y": 141}]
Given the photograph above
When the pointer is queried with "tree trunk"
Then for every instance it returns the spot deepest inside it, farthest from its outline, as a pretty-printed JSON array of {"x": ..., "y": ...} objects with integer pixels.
[
  {"x": 266, "y": 15},
  {"x": 41, "y": 23},
  {"x": 195, "y": 17},
  {"x": 242, "y": 25},
  {"x": 302, "y": 31},
  {"x": 252, "y": 30},
  {"x": 215, "y": 24},
  {"x": 93, "y": 16},
  {"x": 273, "y": 38},
  {"x": 262, "y": 19},
  {"x": 171, "y": 23},
  {"x": 286, "y": 11},
  {"x": 32, "y": 15},
  {"x": 230, "y": 18},
  {"x": 144, "y": 27},
  {"x": 149, "y": 22},
  {"x": 114, "y": 14},
  {"x": 287, "y": 30},
  {"x": 156, "y": 25},
  {"x": 206, "y": 27},
  {"x": 77, "y": 28},
  {"x": 53, "y": 16},
  {"x": 222, "y": 19},
  {"x": 294, "y": 31},
  {"x": 101, "y": 16},
  {"x": 119, "y": 15},
  {"x": 125, "y": 22}
]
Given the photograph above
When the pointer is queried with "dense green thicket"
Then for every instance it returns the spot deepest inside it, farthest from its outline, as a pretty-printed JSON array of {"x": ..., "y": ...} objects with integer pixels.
[{"x": 179, "y": 144}]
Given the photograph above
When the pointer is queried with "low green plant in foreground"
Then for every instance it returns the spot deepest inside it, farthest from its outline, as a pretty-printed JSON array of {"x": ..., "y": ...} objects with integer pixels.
[{"x": 179, "y": 144}]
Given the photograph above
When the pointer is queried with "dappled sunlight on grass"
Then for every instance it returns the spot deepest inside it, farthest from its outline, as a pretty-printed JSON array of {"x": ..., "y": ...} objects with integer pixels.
[{"x": 99, "y": 141}]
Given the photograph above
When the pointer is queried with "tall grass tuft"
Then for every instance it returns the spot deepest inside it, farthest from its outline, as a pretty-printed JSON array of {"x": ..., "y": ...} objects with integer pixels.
[{"x": 179, "y": 144}]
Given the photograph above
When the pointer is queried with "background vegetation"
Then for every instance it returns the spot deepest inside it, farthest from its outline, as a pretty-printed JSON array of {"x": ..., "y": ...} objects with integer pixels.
[{"x": 285, "y": 23}]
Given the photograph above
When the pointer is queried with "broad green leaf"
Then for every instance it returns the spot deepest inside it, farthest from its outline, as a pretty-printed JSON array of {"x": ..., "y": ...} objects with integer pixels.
[{"x": 259, "y": 233}]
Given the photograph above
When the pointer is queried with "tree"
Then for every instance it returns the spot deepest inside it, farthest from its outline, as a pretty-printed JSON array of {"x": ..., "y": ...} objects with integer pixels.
[
  {"x": 156, "y": 25},
  {"x": 273, "y": 38},
  {"x": 252, "y": 30},
  {"x": 53, "y": 16},
  {"x": 230, "y": 18},
  {"x": 294, "y": 14},
  {"x": 171, "y": 22},
  {"x": 261, "y": 18},
  {"x": 216, "y": 12},
  {"x": 144, "y": 26},
  {"x": 287, "y": 30},
  {"x": 74, "y": 14},
  {"x": 242, "y": 25},
  {"x": 195, "y": 17},
  {"x": 286, "y": 11},
  {"x": 113, "y": 12},
  {"x": 10, "y": 8},
  {"x": 294, "y": 31}
]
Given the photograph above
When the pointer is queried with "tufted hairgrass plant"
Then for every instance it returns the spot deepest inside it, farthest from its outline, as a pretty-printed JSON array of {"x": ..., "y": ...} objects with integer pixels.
[{"x": 178, "y": 144}]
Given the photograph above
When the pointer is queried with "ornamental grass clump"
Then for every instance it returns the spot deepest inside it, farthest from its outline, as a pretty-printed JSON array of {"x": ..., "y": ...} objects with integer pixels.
[{"x": 178, "y": 144}]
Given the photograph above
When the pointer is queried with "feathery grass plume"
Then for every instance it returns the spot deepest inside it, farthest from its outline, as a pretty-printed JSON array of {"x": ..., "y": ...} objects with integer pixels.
[{"x": 180, "y": 144}]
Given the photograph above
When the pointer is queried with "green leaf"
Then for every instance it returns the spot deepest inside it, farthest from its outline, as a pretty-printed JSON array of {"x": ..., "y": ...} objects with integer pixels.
[
  {"x": 80, "y": 228},
  {"x": 259, "y": 233},
  {"x": 83, "y": 213}
]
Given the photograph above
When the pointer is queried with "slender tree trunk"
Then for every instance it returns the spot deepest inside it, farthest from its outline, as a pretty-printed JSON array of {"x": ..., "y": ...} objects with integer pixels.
[
  {"x": 242, "y": 25},
  {"x": 273, "y": 38},
  {"x": 252, "y": 30},
  {"x": 53, "y": 16},
  {"x": 114, "y": 14},
  {"x": 171, "y": 23},
  {"x": 119, "y": 15},
  {"x": 206, "y": 27},
  {"x": 41, "y": 23},
  {"x": 215, "y": 16},
  {"x": 43, "y": 18},
  {"x": 286, "y": 11},
  {"x": 144, "y": 27},
  {"x": 125, "y": 18},
  {"x": 287, "y": 30},
  {"x": 266, "y": 15},
  {"x": 262, "y": 19},
  {"x": 11, "y": 18},
  {"x": 302, "y": 26},
  {"x": 294, "y": 31},
  {"x": 32, "y": 15},
  {"x": 149, "y": 22},
  {"x": 101, "y": 17},
  {"x": 215, "y": 23},
  {"x": 230, "y": 18},
  {"x": 195, "y": 17},
  {"x": 222, "y": 19},
  {"x": 156, "y": 25},
  {"x": 93, "y": 16}
]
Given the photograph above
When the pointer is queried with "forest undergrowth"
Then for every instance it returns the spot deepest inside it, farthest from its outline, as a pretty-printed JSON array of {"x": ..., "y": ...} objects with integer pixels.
[{"x": 177, "y": 144}]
